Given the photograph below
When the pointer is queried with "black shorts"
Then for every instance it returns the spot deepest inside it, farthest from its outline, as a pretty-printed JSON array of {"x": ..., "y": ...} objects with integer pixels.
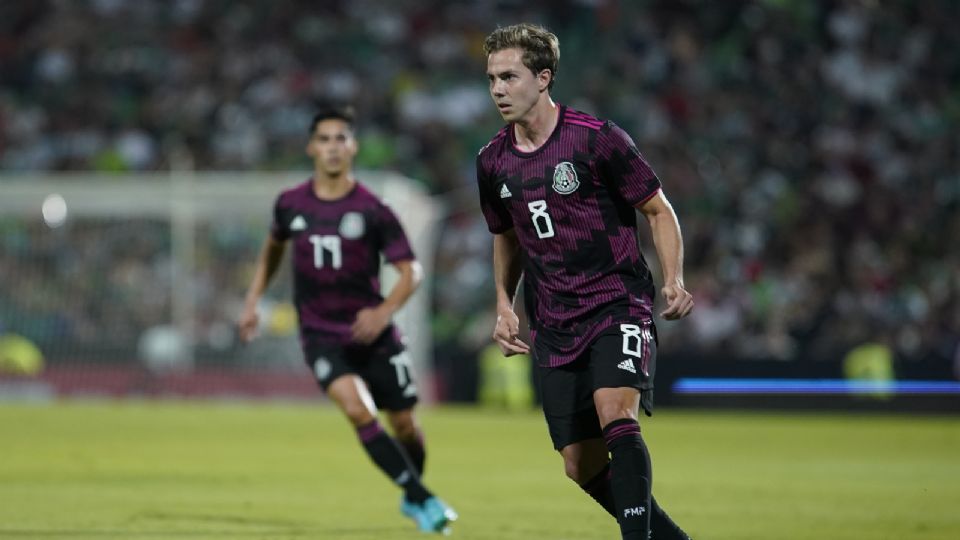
[
  {"x": 624, "y": 356},
  {"x": 384, "y": 366}
]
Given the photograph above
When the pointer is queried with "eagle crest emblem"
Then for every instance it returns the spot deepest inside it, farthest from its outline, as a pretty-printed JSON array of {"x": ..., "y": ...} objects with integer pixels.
[
  {"x": 565, "y": 179},
  {"x": 352, "y": 225}
]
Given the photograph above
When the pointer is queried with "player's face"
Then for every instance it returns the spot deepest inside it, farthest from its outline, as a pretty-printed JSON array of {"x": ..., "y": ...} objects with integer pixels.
[
  {"x": 332, "y": 146},
  {"x": 515, "y": 89}
]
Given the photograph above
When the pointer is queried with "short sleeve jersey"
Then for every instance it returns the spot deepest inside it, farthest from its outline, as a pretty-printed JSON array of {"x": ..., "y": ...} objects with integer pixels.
[
  {"x": 572, "y": 204},
  {"x": 337, "y": 246}
]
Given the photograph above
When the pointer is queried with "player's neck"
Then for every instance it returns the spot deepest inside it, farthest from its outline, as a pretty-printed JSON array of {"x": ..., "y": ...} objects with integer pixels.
[
  {"x": 532, "y": 131},
  {"x": 332, "y": 187}
]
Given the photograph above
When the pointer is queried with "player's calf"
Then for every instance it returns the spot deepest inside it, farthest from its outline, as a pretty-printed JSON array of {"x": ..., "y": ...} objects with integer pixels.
[{"x": 630, "y": 477}]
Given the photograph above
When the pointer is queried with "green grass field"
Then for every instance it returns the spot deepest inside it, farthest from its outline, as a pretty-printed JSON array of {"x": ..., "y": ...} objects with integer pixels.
[{"x": 150, "y": 470}]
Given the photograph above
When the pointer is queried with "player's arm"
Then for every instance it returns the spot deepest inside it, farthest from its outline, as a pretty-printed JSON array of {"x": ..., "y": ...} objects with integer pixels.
[
  {"x": 506, "y": 277},
  {"x": 371, "y": 322},
  {"x": 267, "y": 263},
  {"x": 669, "y": 244}
]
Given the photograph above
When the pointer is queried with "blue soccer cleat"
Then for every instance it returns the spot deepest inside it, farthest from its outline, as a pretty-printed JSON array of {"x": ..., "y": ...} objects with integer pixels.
[
  {"x": 437, "y": 507},
  {"x": 408, "y": 508},
  {"x": 432, "y": 516}
]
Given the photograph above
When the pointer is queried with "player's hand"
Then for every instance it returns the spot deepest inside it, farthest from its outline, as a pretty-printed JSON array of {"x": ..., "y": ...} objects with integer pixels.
[
  {"x": 507, "y": 334},
  {"x": 248, "y": 324},
  {"x": 369, "y": 324},
  {"x": 679, "y": 302}
]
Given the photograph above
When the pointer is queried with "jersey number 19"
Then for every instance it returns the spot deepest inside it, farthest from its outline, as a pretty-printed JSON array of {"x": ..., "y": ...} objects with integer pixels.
[{"x": 324, "y": 244}]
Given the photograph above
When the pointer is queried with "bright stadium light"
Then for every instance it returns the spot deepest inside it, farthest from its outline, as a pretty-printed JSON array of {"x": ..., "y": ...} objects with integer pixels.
[{"x": 54, "y": 210}]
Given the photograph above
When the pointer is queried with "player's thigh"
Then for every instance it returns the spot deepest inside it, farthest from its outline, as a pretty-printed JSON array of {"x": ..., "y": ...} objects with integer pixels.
[
  {"x": 351, "y": 395},
  {"x": 340, "y": 381},
  {"x": 389, "y": 375},
  {"x": 622, "y": 364},
  {"x": 326, "y": 362},
  {"x": 567, "y": 395}
]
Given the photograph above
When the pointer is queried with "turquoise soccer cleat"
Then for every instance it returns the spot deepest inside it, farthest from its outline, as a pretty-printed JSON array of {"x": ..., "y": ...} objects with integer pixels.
[
  {"x": 432, "y": 516},
  {"x": 439, "y": 509}
]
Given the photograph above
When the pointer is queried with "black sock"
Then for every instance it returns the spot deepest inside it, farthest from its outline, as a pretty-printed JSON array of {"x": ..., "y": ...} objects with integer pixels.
[
  {"x": 661, "y": 526},
  {"x": 386, "y": 454},
  {"x": 598, "y": 487},
  {"x": 630, "y": 478},
  {"x": 415, "y": 450}
]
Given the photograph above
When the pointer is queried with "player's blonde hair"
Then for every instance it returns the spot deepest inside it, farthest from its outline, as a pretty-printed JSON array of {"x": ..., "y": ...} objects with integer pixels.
[{"x": 540, "y": 47}]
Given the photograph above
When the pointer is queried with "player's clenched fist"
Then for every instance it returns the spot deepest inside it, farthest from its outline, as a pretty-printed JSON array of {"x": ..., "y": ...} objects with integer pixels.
[
  {"x": 507, "y": 334},
  {"x": 679, "y": 302},
  {"x": 248, "y": 324}
]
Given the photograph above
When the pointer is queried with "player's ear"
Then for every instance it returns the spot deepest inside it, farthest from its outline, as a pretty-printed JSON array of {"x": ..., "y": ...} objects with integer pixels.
[
  {"x": 353, "y": 143},
  {"x": 544, "y": 78}
]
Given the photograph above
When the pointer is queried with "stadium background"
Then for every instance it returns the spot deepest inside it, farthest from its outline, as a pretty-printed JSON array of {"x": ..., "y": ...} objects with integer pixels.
[{"x": 810, "y": 149}]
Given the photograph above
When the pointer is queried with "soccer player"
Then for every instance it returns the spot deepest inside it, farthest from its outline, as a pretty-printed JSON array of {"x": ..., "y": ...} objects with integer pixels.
[
  {"x": 559, "y": 190},
  {"x": 338, "y": 230}
]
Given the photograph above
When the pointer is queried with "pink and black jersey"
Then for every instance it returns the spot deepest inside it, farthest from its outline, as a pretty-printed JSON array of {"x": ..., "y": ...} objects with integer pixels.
[
  {"x": 336, "y": 256},
  {"x": 571, "y": 203}
]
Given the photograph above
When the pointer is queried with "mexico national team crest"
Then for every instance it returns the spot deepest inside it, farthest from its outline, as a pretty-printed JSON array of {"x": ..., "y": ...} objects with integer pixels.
[
  {"x": 565, "y": 179},
  {"x": 322, "y": 368},
  {"x": 352, "y": 225}
]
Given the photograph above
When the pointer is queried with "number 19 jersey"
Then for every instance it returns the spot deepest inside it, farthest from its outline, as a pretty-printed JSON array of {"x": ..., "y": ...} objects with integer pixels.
[
  {"x": 571, "y": 203},
  {"x": 337, "y": 246}
]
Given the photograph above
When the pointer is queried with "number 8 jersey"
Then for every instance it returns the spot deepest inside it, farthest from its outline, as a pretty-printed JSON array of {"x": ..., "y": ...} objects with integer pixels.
[
  {"x": 336, "y": 256},
  {"x": 571, "y": 203}
]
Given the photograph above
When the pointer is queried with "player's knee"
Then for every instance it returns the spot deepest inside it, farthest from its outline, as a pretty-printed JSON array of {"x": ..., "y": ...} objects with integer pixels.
[
  {"x": 404, "y": 429},
  {"x": 403, "y": 424},
  {"x": 614, "y": 411},
  {"x": 358, "y": 414},
  {"x": 574, "y": 470}
]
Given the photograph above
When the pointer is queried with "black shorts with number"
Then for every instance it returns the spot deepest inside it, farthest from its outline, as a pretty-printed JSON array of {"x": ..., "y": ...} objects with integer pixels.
[
  {"x": 383, "y": 365},
  {"x": 624, "y": 356}
]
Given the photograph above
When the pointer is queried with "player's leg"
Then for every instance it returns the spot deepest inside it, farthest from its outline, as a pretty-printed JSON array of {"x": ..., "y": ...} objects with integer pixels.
[
  {"x": 389, "y": 377},
  {"x": 339, "y": 379},
  {"x": 350, "y": 394},
  {"x": 630, "y": 472},
  {"x": 574, "y": 428},
  {"x": 661, "y": 526},
  {"x": 623, "y": 366},
  {"x": 635, "y": 479},
  {"x": 407, "y": 431},
  {"x": 588, "y": 464}
]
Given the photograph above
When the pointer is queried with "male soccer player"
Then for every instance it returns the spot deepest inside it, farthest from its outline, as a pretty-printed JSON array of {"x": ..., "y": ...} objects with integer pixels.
[
  {"x": 338, "y": 230},
  {"x": 559, "y": 190}
]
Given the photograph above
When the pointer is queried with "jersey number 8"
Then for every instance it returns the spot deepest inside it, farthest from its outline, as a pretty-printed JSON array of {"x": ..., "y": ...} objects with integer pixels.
[{"x": 541, "y": 219}]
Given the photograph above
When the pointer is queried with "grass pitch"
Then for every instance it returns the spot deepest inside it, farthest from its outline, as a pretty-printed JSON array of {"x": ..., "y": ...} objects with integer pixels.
[{"x": 153, "y": 470}]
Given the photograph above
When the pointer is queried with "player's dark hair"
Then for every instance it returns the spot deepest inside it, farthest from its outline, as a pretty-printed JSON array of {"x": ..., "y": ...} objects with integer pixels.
[
  {"x": 540, "y": 47},
  {"x": 326, "y": 111}
]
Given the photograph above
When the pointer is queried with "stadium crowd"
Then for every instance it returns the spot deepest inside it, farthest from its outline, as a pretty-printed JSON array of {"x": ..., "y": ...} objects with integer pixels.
[{"x": 811, "y": 148}]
